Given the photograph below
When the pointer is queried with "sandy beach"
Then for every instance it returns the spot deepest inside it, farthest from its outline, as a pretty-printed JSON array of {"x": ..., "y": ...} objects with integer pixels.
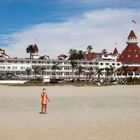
[{"x": 75, "y": 113}]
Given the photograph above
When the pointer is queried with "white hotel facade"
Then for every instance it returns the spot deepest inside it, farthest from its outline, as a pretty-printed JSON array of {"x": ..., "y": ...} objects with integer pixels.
[{"x": 18, "y": 67}]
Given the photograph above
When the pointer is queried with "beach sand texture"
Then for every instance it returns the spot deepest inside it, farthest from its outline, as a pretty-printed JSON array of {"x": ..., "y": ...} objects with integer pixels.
[{"x": 75, "y": 113}]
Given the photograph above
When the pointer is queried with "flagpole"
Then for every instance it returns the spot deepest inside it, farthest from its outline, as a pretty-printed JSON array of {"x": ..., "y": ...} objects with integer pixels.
[{"x": 133, "y": 24}]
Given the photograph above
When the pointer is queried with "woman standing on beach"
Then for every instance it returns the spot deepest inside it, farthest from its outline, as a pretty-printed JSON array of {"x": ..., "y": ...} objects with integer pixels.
[{"x": 44, "y": 100}]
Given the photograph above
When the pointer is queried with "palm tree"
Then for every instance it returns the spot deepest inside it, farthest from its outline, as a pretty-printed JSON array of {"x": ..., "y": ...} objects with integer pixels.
[
  {"x": 91, "y": 72},
  {"x": 73, "y": 60},
  {"x": 99, "y": 72},
  {"x": 28, "y": 71},
  {"x": 80, "y": 55},
  {"x": 55, "y": 67},
  {"x": 73, "y": 54},
  {"x": 36, "y": 69},
  {"x": 107, "y": 72},
  {"x": 32, "y": 49},
  {"x": 42, "y": 68},
  {"x": 80, "y": 71}
]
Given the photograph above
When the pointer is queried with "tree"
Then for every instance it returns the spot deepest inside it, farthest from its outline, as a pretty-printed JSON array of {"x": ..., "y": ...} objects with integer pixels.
[
  {"x": 36, "y": 69},
  {"x": 43, "y": 69},
  {"x": 112, "y": 70},
  {"x": 80, "y": 71},
  {"x": 91, "y": 72},
  {"x": 124, "y": 70},
  {"x": 73, "y": 54},
  {"x": 80, "y": 55},
  {"x": 73, "y": 60},
  {"x": 107, "y": 72},
  {"x": 99, "y": 72},
  {"x": 28, "y": 71},
  {"x": 32, "y": 49},
  {"x": 55, "y": 67}
]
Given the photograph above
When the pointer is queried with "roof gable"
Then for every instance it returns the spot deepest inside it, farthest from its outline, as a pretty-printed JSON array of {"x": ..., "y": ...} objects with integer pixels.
[{"x": 131, "y": 54}]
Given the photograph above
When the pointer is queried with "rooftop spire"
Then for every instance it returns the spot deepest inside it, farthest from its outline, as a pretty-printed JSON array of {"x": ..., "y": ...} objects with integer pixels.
[
  {"x": 132, "y": 38},
  {"x": 115, "y": 51}
]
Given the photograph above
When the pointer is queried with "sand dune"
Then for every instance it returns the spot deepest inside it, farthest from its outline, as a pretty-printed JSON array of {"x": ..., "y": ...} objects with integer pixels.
[{"x": 75, "y": 113}]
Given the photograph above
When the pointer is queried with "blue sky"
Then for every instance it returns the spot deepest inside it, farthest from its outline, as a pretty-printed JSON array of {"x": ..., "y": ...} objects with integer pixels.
[{"x": 26, "y": 17}]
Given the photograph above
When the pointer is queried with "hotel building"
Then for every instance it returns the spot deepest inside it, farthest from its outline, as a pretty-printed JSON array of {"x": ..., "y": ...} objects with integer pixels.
[{"x": 25, "y": 68}]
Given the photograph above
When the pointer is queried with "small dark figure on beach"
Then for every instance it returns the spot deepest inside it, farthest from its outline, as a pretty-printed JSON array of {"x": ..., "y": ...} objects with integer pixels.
[{"x": 44, "y": 100}]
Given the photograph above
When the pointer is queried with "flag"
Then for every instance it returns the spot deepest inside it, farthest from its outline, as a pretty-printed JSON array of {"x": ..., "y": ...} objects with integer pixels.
[{"x": 133, "y": 21}]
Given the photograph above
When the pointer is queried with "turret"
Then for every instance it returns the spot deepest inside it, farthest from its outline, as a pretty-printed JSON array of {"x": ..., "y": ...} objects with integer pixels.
[{"x": 132, "y": 39}]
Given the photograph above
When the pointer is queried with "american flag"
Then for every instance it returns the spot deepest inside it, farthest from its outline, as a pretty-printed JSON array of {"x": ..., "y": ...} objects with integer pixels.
[{"x": 133, "y": 21}]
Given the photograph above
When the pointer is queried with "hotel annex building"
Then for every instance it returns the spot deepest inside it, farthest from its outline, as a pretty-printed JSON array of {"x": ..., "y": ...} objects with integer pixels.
[{"x": 20, "y": 67}]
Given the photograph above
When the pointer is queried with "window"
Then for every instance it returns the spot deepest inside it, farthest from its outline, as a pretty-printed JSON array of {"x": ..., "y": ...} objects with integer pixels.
[
  {"x": 48, "y": 73},
  {"x": 90, "y": 63},
  {"x": 34, "y": 62},
  {"x": 27, "y": 61},
  {"x": 53, "y": 62},
  {"x": 84, "y": 63},
  {"x": 136, "y": 55},
  {"x": 22, "y": 68},
  {"x": 96, "y": 63},
  {"x": 136, "y": 73},
  {"x": 130, "y": 73},
  {"x": 67, "y": 73},
  {"x": 101, "y": 63},
  {"x": 129, "y": 56},
  {"x": 14, "y": 68},
  {"x": 106, "y": 63},
  {"x": 66, "y": 68}
]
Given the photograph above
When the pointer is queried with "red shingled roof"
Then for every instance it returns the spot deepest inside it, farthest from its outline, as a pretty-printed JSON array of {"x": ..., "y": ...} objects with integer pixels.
[
  {"x": 130, "y": 68},
  {"x": 62, "y": 57},
  {"x": 131, "y": 54},
  {"x": 132, "y": 35},
  {"x": 89, "y": 55}
]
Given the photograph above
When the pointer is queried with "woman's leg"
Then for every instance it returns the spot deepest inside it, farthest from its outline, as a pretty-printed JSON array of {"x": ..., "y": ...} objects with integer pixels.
[{"x": 45, "y": 108}]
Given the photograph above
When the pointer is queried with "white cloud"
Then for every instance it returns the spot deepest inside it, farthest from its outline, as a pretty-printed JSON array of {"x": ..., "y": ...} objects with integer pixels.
[{"x": 99, "y": 28}]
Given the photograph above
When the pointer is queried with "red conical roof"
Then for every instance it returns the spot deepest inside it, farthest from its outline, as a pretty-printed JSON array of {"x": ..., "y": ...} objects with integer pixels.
[
  {"x": 132, "y": 35},
  {"x": 115, "y": 51},
  {"x": 36, "y": 47}
]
